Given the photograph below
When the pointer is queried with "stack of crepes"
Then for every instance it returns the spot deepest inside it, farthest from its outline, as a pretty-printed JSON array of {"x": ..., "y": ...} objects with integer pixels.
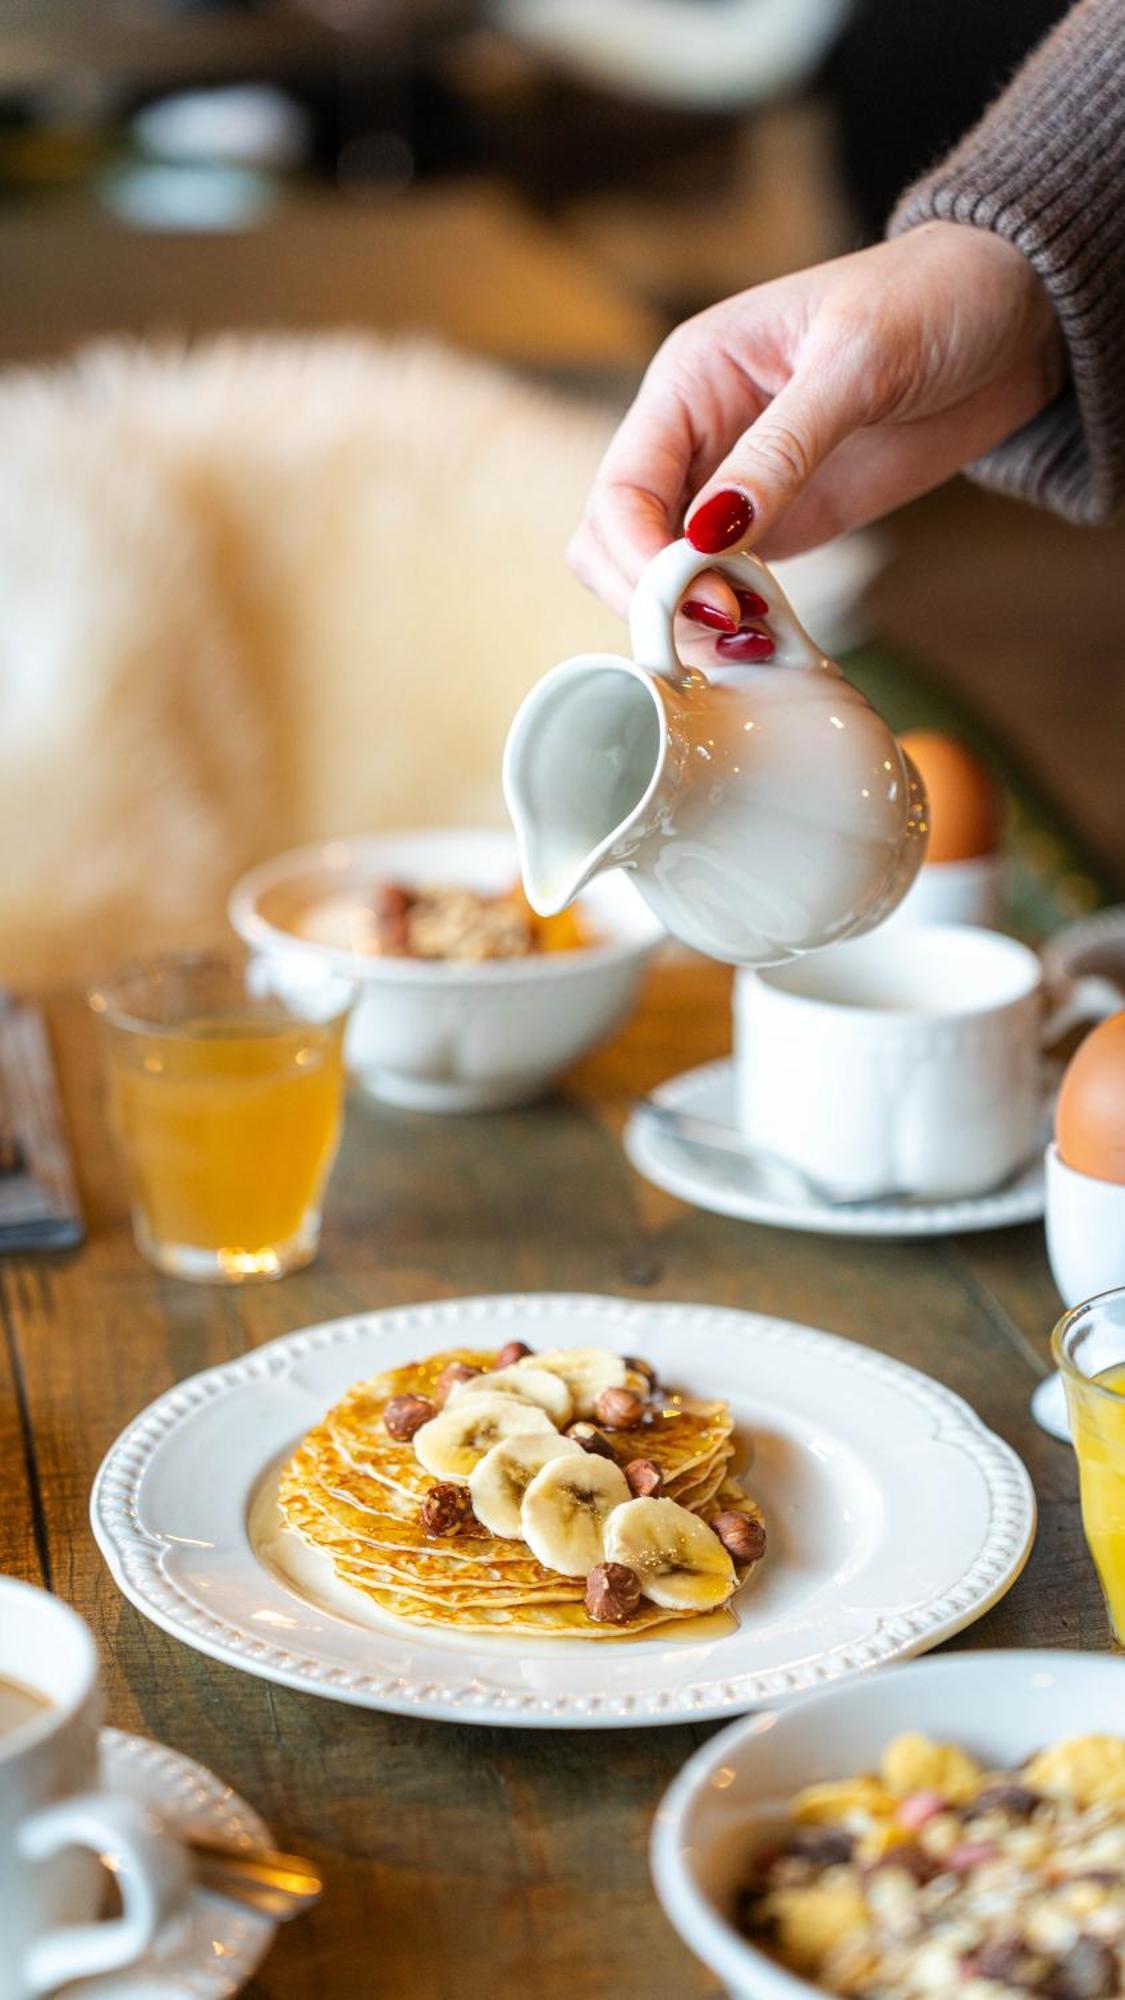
[{"x": 355, "y": 1493}]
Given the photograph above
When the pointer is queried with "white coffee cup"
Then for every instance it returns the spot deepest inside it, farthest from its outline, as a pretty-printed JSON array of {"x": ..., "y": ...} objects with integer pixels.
[
  {"x": 58, "y": 1832},
  {"x": 904, "y": 1062}
]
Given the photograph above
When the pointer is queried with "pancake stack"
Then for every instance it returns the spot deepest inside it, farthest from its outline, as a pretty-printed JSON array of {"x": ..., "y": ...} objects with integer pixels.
[{"x": 357, "y": 1493}]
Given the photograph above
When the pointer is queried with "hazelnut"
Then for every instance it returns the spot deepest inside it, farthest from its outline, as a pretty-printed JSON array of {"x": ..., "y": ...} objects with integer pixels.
[
  {"x": 404, "y": 1415},
  {"x": 447, "y": 1509},
  {"x": 511, "y": 1352},
  {"x": 591, "y": 1439},
  {"x": 643, "y": 1368},
  {"x": 741, "y": 1535},
  {"x": 613, "y": 1594},
  {"x": 619, "y": 1409},
  {"x": 456, "y": 1371},
  {"x": 643, "y": 1478},
  {"x": 392, "y": 909}
]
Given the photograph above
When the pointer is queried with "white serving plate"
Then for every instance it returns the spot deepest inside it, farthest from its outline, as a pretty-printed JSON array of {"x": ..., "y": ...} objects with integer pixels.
[
  {"x": 895, "y": 1519},
  {"x": 720, "y": 1182},
  {"x": 214, "y": 1949},
  {"x": 999, "y": 1706}
]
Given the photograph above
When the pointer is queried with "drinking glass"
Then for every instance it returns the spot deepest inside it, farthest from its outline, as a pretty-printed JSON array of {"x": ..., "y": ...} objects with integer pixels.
[
  {"x": 1089, "y": 1346},
  {"x": 226, "y": 1081}
]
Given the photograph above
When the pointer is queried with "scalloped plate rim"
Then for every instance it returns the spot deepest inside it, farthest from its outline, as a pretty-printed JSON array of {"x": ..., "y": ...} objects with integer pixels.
[{"x": 1003, "y": 1552}]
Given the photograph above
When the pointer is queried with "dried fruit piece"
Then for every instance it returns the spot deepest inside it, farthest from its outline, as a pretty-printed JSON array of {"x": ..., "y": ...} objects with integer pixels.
[
  {"x": 510, "y": 1353},
  {"x": 912, "y": 1763}
]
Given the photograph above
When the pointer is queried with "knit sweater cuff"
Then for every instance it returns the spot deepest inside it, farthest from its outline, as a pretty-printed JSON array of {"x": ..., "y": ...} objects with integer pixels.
[{"x": 1045, "y": 168}]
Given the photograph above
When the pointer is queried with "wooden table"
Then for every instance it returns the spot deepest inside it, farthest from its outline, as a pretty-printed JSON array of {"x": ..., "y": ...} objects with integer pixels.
[{"x": 474, "y": 1861}]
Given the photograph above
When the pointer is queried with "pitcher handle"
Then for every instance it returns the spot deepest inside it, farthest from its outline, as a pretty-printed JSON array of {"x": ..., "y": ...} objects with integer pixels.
[{"x": 652, "y": 612}]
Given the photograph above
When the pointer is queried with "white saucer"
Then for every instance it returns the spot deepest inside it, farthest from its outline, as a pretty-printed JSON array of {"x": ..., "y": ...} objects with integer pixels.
[
  {"x": 214, "y": 1950},
  {"x": 720, "y": 1181},
  {"x": 895, "y": 1519}
]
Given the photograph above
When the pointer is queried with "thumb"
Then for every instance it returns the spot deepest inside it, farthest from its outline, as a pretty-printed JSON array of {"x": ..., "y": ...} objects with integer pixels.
[{"x": 773, "y": 462}]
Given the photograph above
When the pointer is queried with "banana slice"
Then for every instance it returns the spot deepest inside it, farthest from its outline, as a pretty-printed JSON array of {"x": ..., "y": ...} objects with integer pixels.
[
  {"x": 682, "y": 1565},
  {"x": 531, "y": 1385},
  {"x": 451, "y": 1444},
  {"x": 585, "y": 1370},
  {"x": 498, "y": 1482},
  {"x": 565, "y": 1510}
]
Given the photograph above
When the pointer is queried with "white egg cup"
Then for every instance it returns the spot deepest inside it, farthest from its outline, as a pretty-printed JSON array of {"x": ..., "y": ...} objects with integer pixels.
[{"x": 956, "y": 892}]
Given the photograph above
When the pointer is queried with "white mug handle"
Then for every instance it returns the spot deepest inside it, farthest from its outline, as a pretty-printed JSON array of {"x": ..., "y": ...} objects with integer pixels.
[
  {"x": 1077, "y": 1003},
  {"x": 151, "y": 1870},
  {"x": 652, "y": 610}
]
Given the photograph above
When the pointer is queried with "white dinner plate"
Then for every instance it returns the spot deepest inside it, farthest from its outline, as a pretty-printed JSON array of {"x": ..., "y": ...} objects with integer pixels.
[
  {"x": 895, "y": 1519},
  {"x": 212, "y": 1951},
  {"x": 720, "y": 1181}
]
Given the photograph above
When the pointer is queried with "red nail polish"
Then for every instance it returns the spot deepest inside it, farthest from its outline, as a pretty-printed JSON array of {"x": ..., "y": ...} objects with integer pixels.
[
  {"x": 750, "y": 604},
  {"x": 720, "y": 522},
  {"x": 746, "y": 646},
  {"x": 706, "y": 614}
]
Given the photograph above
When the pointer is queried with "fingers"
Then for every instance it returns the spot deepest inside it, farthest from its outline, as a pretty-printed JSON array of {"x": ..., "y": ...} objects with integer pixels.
[{"x": 775, "y": 460}]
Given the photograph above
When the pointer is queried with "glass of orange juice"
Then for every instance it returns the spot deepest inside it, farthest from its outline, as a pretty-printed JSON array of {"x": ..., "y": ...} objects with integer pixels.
[
  {"x": 226, "y": 1082},
  {"x": 1089, "y": 1347}
]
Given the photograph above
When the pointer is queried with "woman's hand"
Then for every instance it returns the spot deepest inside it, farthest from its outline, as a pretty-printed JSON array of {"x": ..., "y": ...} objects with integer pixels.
[{"x": 812, "y": 404}]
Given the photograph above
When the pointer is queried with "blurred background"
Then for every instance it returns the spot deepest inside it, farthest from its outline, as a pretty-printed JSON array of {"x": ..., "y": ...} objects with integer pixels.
[{"x": 358, "y": 287}]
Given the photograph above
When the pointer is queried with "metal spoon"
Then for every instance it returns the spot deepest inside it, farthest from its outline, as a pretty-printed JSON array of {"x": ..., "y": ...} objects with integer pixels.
[
  {"x": 280, "y": 1886},
  {"x": 690, "y": 1130}
]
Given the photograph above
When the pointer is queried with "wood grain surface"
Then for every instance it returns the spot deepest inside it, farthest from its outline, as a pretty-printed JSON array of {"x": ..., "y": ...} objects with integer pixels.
[{"x": 460, "y": 1860}]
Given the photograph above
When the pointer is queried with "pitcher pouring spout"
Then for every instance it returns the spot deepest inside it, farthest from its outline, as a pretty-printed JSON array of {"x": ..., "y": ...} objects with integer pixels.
[
  {"x": 763, "y": 810},
  {"x": 582, "y": 774}
]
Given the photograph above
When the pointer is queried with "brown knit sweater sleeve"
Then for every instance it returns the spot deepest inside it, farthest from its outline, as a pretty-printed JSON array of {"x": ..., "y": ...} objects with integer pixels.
[{"x": 1046, "y": 169}]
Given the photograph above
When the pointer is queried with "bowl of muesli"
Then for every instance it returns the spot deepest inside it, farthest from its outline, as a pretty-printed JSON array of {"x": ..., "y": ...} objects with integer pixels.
[
  {"x": 468, "y": 1001},
  {"x": 955, "y": 1826}
]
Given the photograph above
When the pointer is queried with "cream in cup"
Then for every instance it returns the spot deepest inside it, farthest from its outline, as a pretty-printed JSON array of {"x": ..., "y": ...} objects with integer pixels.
[
  {"x": 59, "y": 1834},
  {"x": 906, "y": 1062}
]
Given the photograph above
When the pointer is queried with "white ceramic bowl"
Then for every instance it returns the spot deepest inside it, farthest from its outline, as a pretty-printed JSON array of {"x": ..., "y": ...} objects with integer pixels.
[
  {"x": 447, "y": 1036},
  {"x": 728, "y": 1799}
]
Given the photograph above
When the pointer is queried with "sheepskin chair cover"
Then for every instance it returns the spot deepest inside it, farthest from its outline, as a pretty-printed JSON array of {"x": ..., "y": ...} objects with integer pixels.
[{"x": 258, "y": 593}]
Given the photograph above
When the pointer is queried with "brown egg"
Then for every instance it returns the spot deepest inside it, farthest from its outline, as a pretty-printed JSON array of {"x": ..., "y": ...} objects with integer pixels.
[
  {"x": 1090, "y": 1119},
  {"x": 964, "y": 800}
]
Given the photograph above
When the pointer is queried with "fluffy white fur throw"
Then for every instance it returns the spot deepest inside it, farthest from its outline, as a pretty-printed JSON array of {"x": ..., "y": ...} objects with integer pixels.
[{"x": 254, "y": 594}]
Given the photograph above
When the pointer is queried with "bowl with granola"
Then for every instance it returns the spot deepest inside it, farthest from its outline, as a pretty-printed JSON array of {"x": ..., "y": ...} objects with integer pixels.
[
  {"x": 468, "y": 1001},
  {"x": 951, "y": 1827}
]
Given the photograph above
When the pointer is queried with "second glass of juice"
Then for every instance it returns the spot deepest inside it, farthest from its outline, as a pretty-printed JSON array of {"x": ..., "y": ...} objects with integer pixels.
[
  {"x": 227, "y": 1085},
  {"x": 1089, "y": 1346}
]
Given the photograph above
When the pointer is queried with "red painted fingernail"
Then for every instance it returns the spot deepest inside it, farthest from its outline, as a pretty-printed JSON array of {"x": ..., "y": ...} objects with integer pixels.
[
  {"x": 749, "y": 645},
  {"x": 720, "y": 522},
  {"x": 706, "y": 614},
  {"x": 750, "y": 604}
]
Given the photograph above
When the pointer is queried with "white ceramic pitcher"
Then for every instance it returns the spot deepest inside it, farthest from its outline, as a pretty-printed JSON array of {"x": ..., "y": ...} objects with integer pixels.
[{"x": 763, "y": 811}]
